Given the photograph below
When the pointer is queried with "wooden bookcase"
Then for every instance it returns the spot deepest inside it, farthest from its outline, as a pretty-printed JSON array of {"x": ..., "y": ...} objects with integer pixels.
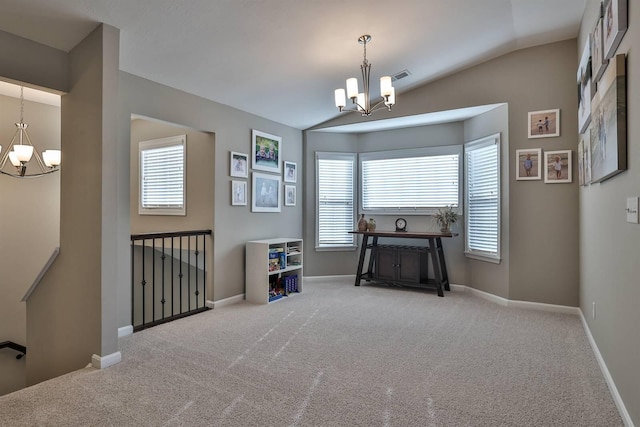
[{"x": 273, "y": 269}]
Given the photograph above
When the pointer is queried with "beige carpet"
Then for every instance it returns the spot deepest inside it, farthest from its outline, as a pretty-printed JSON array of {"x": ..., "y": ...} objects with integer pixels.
[{"x": 337, "y": 355}]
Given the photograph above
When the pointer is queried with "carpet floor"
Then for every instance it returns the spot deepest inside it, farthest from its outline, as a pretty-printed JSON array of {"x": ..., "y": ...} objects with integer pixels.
[{"x": 338, "y": 355}]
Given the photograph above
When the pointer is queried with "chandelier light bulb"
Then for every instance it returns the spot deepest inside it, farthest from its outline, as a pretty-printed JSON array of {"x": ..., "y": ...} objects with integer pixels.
[
  {"x": 51, "y": 158},
  {"x": 385, "y": 86},
  {"x": 23, "y": 152},
  {"x": 13, "y": 157},
  {"x": 341, "y": 101},
  {"x": 352, "y": 88},
  {"x": 361, "y": 101}
]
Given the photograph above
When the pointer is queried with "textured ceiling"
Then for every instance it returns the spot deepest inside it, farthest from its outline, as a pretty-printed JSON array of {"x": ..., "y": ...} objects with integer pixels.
[{"x": 282, "y": 59}]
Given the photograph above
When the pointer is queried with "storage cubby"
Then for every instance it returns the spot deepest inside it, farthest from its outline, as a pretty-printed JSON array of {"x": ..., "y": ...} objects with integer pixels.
[{"x": 273, "y": 269}]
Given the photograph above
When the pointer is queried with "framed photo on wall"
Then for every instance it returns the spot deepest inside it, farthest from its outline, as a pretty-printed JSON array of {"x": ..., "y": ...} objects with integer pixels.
[
  {"x": 609, "y": 123},
  {"x": 266, "y": 152},
  {"x": 614, "y": 19},
  {"x": 581, "y": 162},
  {"x": 528, "y": 164},
  {"x": 586, "y": 139},
  {"x": 239, "y": 165},
  {"x": 544, "y": 123},
  {"x": 265, "y": 193},
  {"x": 238, "y": 193},
  {"x": 585, "y": 89},
  {"x": 598, "y": 61},
  {"x": 289, "y": 195},
  {"x": 557, "y": 167},
  {"x": 290, "y": 172}
]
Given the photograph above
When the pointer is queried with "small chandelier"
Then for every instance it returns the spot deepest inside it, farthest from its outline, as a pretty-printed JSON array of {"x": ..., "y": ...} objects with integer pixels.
[
  {"x": 21, "y": 151},
  {"x": 362, "y": 100}
]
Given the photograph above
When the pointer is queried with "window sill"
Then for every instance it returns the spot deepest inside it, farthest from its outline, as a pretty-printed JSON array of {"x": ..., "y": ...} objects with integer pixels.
[
  {"x": 485, "y": 258},
  {"x": 336, "y": 248}
]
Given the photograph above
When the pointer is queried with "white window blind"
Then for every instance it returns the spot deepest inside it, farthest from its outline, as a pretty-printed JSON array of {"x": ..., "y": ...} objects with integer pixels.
[
  {"x": 335, "y": 200},
  {"x": 482, "y": 169},
  {"x": 162, "y": 176},
  {"x": 420, "y": 180}
]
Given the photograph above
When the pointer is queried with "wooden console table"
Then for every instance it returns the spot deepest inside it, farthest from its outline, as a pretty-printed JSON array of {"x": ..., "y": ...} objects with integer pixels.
[{"x": 417, "y": 274}]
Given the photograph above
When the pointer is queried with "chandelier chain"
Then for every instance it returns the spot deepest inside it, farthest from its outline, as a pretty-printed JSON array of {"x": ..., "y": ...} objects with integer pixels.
[{"x": 21, "y": 104}]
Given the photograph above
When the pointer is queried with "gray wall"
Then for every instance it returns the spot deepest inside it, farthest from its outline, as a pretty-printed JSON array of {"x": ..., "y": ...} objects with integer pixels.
[
  {"x": 200, "y": 185},
  {"x": 33, "y": 63},
  {"x": 234, "y": 225},
  {"x": 323, "y": 263},
  {"x": 71, "y": 314},
  {"x": 510, "y": 79},
  {"x": 609, "y": 267}
]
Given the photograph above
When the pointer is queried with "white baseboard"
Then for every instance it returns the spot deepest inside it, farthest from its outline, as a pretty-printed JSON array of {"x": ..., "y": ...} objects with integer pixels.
[
  {"x": 545, "y": 307},
  {"x": 322, "y": 278},
  {"x": 226, "y": 301},
  {"x": 101, "y": 362},
  {"x": 484, "y": 295},
  {"x": 519, "y": 304},
  {"x": 626, "y": 418},
  {"x": 125, "y": 331}
]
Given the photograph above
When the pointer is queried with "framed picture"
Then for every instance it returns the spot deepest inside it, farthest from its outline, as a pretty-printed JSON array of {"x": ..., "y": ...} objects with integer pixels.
[
  {"x": 266, "y": 152},
  {"x": 238, "y": 193},
  {"x": 265, "y": 193},
  {"x": 544, "y": 124},
  {"x": 585, "y": 89},
  {"x": 528, "y": 164},
  {"x": 557, "y": 167},
  {"x": 586, "y": 139},
  {"x": 239, "y": 165},
  {"x": 614, "y": 21},
  {"x": 598, "y": 61},
  {"x": 609, "y": 123},
  {"x": 290, "y": 172},
  {"x": 581, "y": 162},
  {"x": 289, "y": 195}
]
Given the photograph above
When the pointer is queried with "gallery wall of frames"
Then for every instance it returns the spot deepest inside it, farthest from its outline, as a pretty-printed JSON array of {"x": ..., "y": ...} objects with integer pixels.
[{"x": 269, "y": 170}]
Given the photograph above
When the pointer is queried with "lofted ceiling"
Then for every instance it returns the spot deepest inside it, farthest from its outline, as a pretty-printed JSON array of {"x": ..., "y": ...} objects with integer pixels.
[{"x": 282, "y": 59}]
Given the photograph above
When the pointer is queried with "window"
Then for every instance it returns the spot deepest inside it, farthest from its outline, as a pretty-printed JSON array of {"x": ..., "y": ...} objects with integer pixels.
[
  {"x": 412, "y": 181},
  {"x": 335, "y": 191},
  {"x": 482, "y": 194},
  {"x": 162, "y": 176}
]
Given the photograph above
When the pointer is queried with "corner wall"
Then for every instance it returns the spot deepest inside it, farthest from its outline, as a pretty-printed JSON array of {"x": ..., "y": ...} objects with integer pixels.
[
  {"x": 542, "y": 267},
  {"x": 609, "y": 267}
]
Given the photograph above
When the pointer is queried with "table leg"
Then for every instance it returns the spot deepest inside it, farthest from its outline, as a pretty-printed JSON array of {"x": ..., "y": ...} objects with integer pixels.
[
  {"x": 363, "y": 250},
  {"x": 435, "y": 260},
  {"x": 443, "y": 265},
  {"x": 372, "y": 257}
]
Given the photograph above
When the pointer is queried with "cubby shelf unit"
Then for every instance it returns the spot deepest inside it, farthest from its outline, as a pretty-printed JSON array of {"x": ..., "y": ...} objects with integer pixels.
[{"x": 263, "y": 267}]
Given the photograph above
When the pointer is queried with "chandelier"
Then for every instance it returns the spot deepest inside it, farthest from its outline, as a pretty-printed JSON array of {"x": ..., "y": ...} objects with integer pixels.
[
  {"x": 362, "y": 100},
  {"x": 21, "y": 151}
]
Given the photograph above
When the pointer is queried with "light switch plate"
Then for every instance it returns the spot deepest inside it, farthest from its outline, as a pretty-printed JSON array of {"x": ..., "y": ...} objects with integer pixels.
[{"x": 632, "y": 210}]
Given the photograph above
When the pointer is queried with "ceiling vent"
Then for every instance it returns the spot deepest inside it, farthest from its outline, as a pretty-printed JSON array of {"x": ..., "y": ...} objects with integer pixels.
[{"x": 401, "y": 75}]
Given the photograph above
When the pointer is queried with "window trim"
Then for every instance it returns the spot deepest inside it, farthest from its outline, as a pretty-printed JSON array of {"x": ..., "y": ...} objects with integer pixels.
[
  {"x": 471, "y": 253},
  {"x": 441, "y": 150},
  {"x": 324, "y": 155},
  {"x": 160, "y": 143}
]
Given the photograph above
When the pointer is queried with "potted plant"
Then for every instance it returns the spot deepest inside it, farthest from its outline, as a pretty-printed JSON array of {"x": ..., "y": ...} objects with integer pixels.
[{"x": 445, "y": 217}]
